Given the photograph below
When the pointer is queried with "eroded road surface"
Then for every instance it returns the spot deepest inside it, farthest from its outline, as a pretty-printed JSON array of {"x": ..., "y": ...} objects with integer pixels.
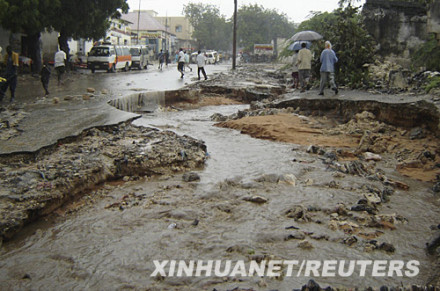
[{"x": 255, "y": 200}]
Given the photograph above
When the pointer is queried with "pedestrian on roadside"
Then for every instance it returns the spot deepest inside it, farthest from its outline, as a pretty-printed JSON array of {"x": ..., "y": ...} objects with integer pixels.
[
  {"x": 45, "y": 77},
  {"x": 295, "y": 76},
  {"x": 304, "y": 63},
  {"x": 60, "y": 64},
  {"x": 187, "y": 61},
  {"x": 181, "y": 62},
  {"x": 161, "y": 58},
  {"x": 167, "y": 57},
  {"x": 11, "y": 75},
  {"x": 328, "y": 60},
  {"x": 201, "y": 64}
]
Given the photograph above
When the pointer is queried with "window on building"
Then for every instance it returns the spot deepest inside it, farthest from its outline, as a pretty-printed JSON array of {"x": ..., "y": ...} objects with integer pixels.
[{"x": 178, "y": 28}]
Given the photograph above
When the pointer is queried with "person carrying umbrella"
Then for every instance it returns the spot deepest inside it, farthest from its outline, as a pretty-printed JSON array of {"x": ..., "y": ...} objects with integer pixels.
[
  {"x": 304, "y": 63},
  {"x": 328, "y": 60}
]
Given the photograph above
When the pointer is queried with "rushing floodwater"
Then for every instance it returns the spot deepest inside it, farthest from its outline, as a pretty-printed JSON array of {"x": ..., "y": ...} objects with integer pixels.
[{"x": 106, "y": 249}]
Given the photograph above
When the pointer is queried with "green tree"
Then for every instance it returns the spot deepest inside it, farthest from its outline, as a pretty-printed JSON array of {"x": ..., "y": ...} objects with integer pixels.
[
  {"x": 255, "y": 24},
  {"x": 85, "y": 19},
  {"x": 428, "y": 55},
  {"x": 211, "y": 29},
  {"x": 353, "y": 45},
  {"x": 80, "y": 18},
  {"x": 30, "y": 17}
]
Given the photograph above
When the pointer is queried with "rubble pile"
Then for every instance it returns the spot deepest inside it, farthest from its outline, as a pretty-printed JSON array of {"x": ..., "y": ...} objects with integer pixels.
[
  {"x": 32, "y": 187},
  {"x": 388, "y": 77},
  {"x": 414, "y": 149}
]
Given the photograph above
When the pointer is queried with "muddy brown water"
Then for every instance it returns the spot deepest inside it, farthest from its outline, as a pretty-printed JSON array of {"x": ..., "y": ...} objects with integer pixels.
[{"x": 100, "y": 247}]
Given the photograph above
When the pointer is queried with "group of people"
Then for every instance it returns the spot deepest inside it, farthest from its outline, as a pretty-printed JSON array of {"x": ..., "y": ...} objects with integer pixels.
[
  {"x": 302, "y": 66},
  {"x": 11, "y": 64},
  {"x": 183, "y": 59}
]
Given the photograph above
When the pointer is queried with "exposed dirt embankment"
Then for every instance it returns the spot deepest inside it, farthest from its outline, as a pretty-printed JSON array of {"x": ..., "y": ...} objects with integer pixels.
[
  {"x": 415, "y": 152},
  {"x": 33, "y": 185}
]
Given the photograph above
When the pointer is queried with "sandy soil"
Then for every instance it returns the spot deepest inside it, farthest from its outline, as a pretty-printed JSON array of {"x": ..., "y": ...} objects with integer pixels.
[
  {"x": 296, "y": 129},
  {"x": 289, "y": 128}
]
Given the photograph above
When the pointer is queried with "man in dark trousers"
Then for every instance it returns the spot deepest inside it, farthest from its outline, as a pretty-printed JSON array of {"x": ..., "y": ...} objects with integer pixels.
[
  {"x": 45, "y": 76},
  {"x": 11, "y": 63},
  {"x": 181, "y": 62},
  {"x": 201, "y": 64}
]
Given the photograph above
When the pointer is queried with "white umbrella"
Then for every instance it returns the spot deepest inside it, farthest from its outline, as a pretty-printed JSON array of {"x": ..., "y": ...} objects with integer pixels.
[{"x": 306, "y": 35}]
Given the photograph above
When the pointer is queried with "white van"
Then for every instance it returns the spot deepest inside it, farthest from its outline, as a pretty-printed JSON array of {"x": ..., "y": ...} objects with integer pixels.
[
  {"x": 139, "y": 56},
  {"x": 211, "y": 57},
  {"x": 109, "y": 57}
]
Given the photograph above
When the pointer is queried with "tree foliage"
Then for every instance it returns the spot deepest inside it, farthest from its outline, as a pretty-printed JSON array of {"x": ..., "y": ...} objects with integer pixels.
[
  {"x": 79, "y": 18},
  {"x": 353, "y": 45},
  {"x": 85, "y": 18},
  {"x": 428, "y": 55},
  {"x": 255, "y": 24},
  {"x": 211, "y": 29}
]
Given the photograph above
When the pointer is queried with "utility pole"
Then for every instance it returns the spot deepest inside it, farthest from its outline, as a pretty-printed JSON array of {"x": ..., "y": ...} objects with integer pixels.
[
  {"x": 234, "y": 38},
  {"x": 139, "y": 16}
]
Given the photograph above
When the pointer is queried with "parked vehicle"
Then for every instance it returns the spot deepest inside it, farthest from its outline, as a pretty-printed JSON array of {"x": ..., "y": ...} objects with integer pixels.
[
  {"x": 211, "y": 57},
  {"x": 109, "y": 57},
  {"x": 139, "y": 56},
  {"x": 193, "y": 58}
]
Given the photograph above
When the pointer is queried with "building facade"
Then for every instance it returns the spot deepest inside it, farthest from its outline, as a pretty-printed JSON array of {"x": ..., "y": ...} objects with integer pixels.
[
  {"x": 182, "y": 29},
  {"x": 147, "y": 30}
]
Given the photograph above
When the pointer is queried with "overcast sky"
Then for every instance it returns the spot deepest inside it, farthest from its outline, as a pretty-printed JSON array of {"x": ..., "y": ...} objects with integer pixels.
[{"x": 296, "y": 10}]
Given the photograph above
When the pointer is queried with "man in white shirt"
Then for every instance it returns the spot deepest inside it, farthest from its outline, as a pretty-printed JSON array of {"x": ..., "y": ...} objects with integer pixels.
[
  {"x": 201, "y": 64},
  {"x": 181, "y": 62},
  {"x": 60, "y": 64}
]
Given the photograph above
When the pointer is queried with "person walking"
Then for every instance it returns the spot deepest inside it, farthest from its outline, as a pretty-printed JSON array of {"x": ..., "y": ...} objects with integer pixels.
[
  {"x": 295, "y": 75},
  {"x": 11, "y": 74},
  {"x": 161, "y": 58},
  {"x": 328, "y": 60},
  {"x": 45, "y": 76},
  {"x": 187, "y": 61},
  {"x": 201, "y": 64},
  {"x": 304, "y": 63},
  {"x": 167, "y": 57},
  {"x": 181, "y": 62},
  {"x": 60, "y": 64}
]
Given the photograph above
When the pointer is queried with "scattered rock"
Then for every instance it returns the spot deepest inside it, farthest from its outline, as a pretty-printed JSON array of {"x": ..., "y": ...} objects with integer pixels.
[
  {"x": 91, "y": 90},
  {"x": 417, "y": 133},
  {"x": 351, "y": 240},
  {"x": 256, "y": 199},
  {"x": 289, "y": 179},
  {"x": 372, "y": 198},
  {"x": 297, "y": 235},
  {"x": 372, "y": 157},
  {"x": 306, "y": 245},
  {"x": 311, "y": 286},
  {"x": 298, "y": 212},
  {"x": 312, "y": 149},
  {"x": 364, "y": 207},
  {"x": 191, "y": 177}
]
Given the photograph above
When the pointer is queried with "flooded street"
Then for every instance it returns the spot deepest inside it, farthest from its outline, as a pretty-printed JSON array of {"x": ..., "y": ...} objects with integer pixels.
[{"x": 109, "y": 239}]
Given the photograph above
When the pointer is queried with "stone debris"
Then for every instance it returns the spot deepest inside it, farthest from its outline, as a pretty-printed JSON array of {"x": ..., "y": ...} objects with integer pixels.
[
  {"x": 191, "y": 177},
  {"x": 305, "y": 245},
  {"x": 256, "y": 199},
  {"x": 69, "y": 168}
]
